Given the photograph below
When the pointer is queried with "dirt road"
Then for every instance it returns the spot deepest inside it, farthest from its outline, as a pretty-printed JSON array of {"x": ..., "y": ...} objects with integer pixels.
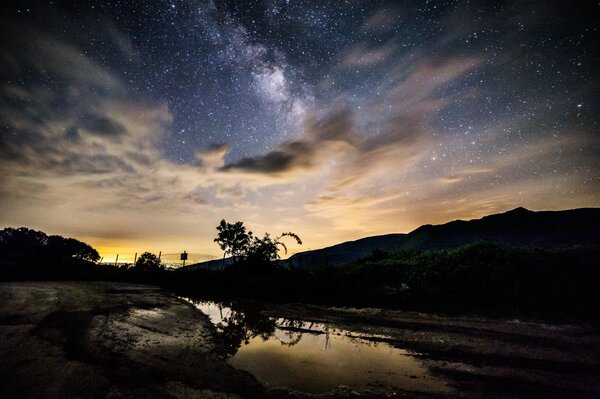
[
  {"x": 64, "y": 339},
  {"x": 115, "y": 340}
]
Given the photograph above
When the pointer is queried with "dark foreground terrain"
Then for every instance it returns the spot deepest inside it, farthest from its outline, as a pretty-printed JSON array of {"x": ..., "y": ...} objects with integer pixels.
[
  {"x": 104, "y": 339},
  {"x": 108, "y": 340}
]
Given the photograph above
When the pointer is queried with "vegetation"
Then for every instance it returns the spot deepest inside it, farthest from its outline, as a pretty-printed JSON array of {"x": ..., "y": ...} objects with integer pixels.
[
  {"x": 148, "y": 262},
  {"x": 34, "y": 250},
  {"x": 247, "y": 249},
  {"x": 484, "y": 278},
  {"x": 233, "y": 239}
]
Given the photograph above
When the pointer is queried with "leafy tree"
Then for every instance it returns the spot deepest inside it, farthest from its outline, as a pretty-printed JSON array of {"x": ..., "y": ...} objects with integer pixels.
[
  {"x": 22, "y": 240},
  {"x": 148, "y": 262},
  {"x": 267, "y": 248},
  {"x": 70, "y": 247},
  {"x": 26, "y": 245},
  {"x": 233, "y": 239},
  {"x": 81, "y": 250},
  {"x": 242, "y": 245}
]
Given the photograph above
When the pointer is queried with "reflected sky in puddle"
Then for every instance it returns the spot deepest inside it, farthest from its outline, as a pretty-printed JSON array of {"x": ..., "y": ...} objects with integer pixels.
[{"x": 314, "y": 357}]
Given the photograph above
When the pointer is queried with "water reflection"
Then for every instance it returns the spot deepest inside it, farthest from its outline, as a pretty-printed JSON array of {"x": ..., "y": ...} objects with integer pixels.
[
  {"x": 312, "y": 357},
  {"x": 235, "y": 327}
]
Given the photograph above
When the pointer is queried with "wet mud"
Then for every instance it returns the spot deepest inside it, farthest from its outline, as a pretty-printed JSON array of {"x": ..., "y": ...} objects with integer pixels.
[{"x": 114, "y": 340}]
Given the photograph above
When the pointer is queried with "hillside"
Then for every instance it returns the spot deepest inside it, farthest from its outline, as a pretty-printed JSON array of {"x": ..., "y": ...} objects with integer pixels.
[
  {"x": 215, "y": 264},
  {"x": 518, "y": 227},
  {"x": 347, "y": 252}
]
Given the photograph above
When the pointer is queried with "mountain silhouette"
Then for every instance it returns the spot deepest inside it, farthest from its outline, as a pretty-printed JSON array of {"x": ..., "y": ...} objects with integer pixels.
[{"x": 518, "y": 227}]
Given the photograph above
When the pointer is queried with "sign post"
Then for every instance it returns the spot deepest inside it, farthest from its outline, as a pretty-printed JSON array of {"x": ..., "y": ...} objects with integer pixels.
[{"x": 183, "y": 257}]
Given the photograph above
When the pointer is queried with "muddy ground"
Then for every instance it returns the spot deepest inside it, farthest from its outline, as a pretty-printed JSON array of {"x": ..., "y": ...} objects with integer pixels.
[
  {"x": 113, "y": 340},
  {"x": 109, "y": 340},
  {"x": 482, "y": 357}
]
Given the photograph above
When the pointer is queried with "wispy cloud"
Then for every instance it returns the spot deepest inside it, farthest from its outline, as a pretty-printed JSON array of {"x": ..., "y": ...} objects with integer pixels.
[
  {"x": 82, "y": 153},
  {"x": 362, "y": 56}
]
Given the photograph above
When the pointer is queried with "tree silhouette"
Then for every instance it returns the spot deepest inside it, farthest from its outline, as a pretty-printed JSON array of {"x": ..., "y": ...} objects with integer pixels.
[
  {"x": 267, "y": 248},
  {"x": 233, "y": 239},
  {"x": 73, "y": 248},
  {"x": 242, "y": 245},
  {"x": 148, "y": 262},
  {"x": 31, "y": 247}
]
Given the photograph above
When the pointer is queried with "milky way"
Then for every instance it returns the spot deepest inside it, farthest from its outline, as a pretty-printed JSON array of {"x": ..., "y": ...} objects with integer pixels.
[{"x": 134, "y": 124}]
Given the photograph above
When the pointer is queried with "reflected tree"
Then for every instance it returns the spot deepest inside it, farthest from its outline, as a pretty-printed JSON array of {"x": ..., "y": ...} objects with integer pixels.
[
  {"x": 240, "y": 325},
  {"x": 291, "y": 331}
]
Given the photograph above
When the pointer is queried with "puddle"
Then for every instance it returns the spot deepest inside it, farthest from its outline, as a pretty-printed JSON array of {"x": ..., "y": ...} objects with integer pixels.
[{"x": 314, "y": 357}]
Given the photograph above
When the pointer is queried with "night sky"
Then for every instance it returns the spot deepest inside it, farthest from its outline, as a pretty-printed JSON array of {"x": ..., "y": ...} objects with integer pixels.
[{"x": 138, "y": 125}]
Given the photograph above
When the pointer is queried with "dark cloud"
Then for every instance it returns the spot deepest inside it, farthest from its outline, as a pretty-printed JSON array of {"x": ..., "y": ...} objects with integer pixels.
[
  {"x": 273, "y": 162},
  {"x": 102, "y": 125},
  {"x": 319, "y": 136},
  {"x": 336, "y": 136}
]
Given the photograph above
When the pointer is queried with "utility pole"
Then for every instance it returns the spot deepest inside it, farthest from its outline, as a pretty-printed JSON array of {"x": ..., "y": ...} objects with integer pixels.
[
  {"x": 135, "y": 259},
  {"x": 117, "y": 260}
]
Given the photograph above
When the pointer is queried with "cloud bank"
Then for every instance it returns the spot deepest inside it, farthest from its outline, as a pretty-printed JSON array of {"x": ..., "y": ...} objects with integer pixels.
[{"x": 83, "y": 154}]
